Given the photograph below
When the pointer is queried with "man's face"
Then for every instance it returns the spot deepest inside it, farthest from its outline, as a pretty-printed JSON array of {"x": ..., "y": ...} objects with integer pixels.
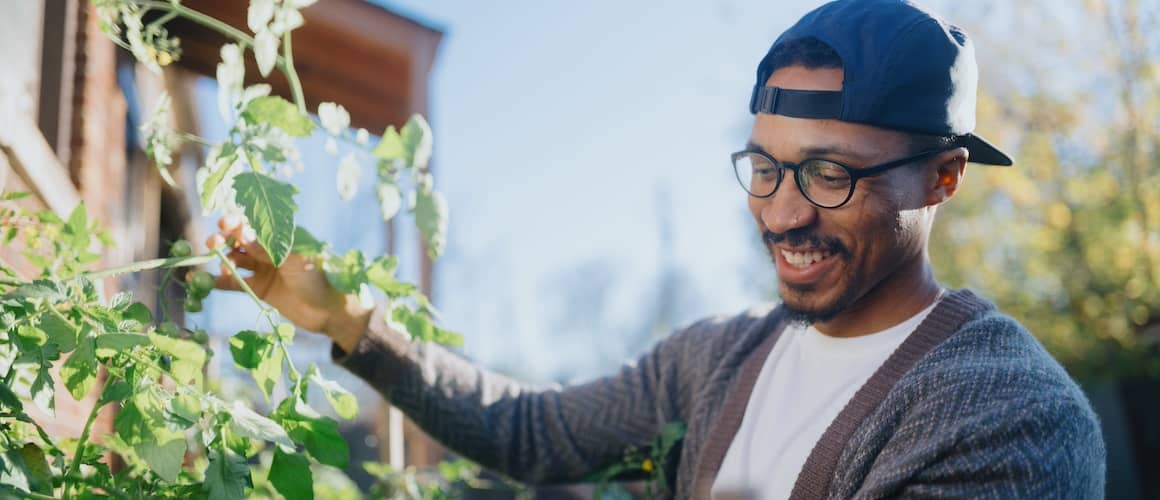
[{"x": 828, "y": 260}]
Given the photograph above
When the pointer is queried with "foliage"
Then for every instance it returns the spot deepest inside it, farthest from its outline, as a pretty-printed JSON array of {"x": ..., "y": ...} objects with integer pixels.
[
  {"x": 176, "y": 437},
  {"x": 1068, "y": 240},
  {"x": 649, "y": 463}
]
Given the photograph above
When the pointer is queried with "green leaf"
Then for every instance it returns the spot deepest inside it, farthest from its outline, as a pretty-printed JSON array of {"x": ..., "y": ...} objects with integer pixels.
[
  {"x": 79, "y": 372},
  {"x": 343, "y": 402},
  {"x": 390, "y": 147},
  {"x": 109, "y": 344},
  {"x": 261, "y": 356},
  {"x": 291, "y": 476},
  {"x": 15, "y": 195},
  {"x": 186, "y": 407},
  {"x": 245, "y": 422},
  {"x": 10, "y": 400},
  {"x": 345, "y": 273},
  {"x": 59, "y": 331},
  {"x": 138, "y": 312},
  {"x": 270, "y": 208},
  {"x": 280, "y": 113},
  {"x": 39, "y": 474},
  {"x": 305, "y": 244},
  {"x": 417, "y": 141},
  {"x": 188, "y": 358},
  {"x": 247, "y": 348},
  {"x": 227, "y": 475},
  {"x": 431, "y": 218},
  {"x": 318, "y": 434},
  {"x": 76, "y": 230},
  {"x": 420, "y": 327},
  {"x": 143, "y": 424},
  {"x": 30, "y": 338},
  {"x": 285, "y": 332},
  {"x": 116, "y": 391},
  {"x": 412, "y": 146}
]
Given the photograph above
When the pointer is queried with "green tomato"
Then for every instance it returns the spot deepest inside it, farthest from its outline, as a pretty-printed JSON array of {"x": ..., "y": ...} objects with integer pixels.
[
  {"x": 201, "y": 284},
  {"x": 192, "y": 303},
  {"x": 200, "y": 336},
  {"x": 168, "y": 329},
  {"x": 181, "y": 248}
]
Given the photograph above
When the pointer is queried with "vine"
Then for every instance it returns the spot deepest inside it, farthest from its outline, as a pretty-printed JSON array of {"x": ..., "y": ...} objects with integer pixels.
[{"x": 177, "y": 437}]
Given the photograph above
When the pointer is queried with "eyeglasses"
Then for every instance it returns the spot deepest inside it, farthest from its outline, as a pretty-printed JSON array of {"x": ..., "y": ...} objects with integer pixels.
[{"x": 825, "y": 183}]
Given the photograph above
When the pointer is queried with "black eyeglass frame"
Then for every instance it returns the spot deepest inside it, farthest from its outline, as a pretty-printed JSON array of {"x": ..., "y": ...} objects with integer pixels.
[{"x": 854, "y": 173}]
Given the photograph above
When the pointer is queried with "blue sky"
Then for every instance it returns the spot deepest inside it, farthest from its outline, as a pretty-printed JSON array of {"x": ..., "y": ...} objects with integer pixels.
[{"x": 556, "y": 125}]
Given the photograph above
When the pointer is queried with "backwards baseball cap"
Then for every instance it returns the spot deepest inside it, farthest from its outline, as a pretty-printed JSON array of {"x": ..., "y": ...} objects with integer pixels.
[{"x": 905, "y": 69}]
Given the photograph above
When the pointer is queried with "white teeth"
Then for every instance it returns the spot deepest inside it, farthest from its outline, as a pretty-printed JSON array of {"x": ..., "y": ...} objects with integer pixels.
[{"x": 803, "y": 259}]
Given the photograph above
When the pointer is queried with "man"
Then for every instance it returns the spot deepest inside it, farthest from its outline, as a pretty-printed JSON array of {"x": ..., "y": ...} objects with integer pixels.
[{"x": 869, "y": 380}]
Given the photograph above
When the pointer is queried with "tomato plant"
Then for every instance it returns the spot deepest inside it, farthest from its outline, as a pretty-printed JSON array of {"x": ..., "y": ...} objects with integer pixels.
[{"x": 176, "y": 436}]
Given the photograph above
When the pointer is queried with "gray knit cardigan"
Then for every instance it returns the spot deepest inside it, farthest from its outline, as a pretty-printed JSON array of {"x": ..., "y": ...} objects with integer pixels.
[{"x": 970, "y": 406}]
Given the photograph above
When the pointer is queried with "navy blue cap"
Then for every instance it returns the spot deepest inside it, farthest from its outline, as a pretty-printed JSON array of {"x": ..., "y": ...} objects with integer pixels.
[{"x": 905, "y": 69}]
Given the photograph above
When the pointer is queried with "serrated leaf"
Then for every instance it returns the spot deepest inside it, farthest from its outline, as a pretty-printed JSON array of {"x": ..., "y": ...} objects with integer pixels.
[
  {"x": 258, "y": 354},
  {"x": 431, "y": 218},
  {"x": 10, "y": 400},
  {"x": 142, "y": 424},
  {"x": 270, "y": 208},
  {"x": 280, "y": 113},
  {"x": 59, "y": 331},
  {"x": 188, "y": 358},
  {"x": 76, "y": 230},
  {"x": 138, "y": 312},
  {"x": 79, "y": 372},
  {"x": 318, "y": 434},
  {"x": 305, "y": 244},
  {"x": 116, "y": 391},
  {"x": 345, "y": 273},
  {"x": 246, "y": 423},
  {"x": 226, "y": 476},
  {"x": 343, "y": 402},
  {"x": 187, "y": 408},
  {"x": 109, "y": 344},
  {"x": 291, "y": 476}
]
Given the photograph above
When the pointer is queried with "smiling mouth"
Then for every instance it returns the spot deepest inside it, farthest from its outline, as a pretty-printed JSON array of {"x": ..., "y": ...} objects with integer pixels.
[{"x": 802, "y": 260}]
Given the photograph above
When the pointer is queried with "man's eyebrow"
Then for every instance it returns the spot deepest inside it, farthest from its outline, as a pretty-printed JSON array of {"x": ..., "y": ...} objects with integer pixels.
[
  {"x": 752, "y": 146},
  {"x": 830, "y": 150}
]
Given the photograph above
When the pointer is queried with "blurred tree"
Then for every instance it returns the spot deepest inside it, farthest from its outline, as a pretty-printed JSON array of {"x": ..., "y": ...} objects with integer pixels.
[{"x": 1068, "y": 241}]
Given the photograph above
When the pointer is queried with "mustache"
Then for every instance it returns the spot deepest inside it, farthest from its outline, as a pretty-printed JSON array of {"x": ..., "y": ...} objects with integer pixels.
[{"x": 805, "y": 237}]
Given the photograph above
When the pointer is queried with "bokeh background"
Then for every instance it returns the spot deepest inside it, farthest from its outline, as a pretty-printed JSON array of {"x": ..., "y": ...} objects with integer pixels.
[{"x": 583, "y": 148}]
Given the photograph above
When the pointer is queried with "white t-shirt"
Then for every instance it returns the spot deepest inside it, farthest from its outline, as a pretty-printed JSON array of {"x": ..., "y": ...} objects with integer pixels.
[{"x": 805, "y": 382}]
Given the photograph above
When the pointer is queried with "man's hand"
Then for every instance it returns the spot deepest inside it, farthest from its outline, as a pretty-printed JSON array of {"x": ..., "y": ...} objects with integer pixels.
[{"x": 298, "y": 289}]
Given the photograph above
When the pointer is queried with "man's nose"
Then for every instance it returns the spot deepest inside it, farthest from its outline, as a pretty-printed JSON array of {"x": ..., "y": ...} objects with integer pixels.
[{"x": 788, "y": 209}]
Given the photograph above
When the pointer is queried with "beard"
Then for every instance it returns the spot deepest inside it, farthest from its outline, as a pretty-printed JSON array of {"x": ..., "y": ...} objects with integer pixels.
[{"x": 799, "y": 313}]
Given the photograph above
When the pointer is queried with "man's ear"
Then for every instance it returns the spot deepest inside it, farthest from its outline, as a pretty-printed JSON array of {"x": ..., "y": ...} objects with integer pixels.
[{"x": 947, "y": 169}]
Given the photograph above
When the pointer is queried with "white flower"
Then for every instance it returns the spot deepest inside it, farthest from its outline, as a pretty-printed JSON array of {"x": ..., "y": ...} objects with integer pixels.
[
  {"x": 334, "y": 118},
  {"x": 348, "y": 174},
  {"x": 231, "y": 75},
  {"x": 223, "y": 196},
  {"x": 362, "y": 137},
  {"x": 160, "y": 140},
  {"x": 286, "y": 19},
  {"x": 259, "y": 14},
  {"x": 390, "y": 200},
  {"x": 266, "y": 51}
]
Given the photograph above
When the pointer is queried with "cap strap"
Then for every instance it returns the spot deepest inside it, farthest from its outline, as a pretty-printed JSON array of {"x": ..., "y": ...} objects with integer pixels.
[{"x": 815, "y": 104}]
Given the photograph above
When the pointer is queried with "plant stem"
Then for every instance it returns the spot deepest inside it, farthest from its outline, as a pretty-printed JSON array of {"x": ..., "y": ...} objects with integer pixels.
[
  {"x": 291, "y": 73},
  {"x": 75, "y": 466},
  {"x": 145, "y": 265},
  {"x": 284, "y": 63}
]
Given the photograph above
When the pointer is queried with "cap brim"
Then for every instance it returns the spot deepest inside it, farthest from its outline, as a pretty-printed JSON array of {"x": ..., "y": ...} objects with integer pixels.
[{"x": 983, "y": 152}]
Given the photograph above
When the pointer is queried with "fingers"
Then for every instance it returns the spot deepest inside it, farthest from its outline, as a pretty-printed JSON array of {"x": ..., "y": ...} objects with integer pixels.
[{"x": 233, "y": 228}]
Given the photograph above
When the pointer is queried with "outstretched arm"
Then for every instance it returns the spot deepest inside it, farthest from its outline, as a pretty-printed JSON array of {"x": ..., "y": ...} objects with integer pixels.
[{"x": 536, "y": 434}]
